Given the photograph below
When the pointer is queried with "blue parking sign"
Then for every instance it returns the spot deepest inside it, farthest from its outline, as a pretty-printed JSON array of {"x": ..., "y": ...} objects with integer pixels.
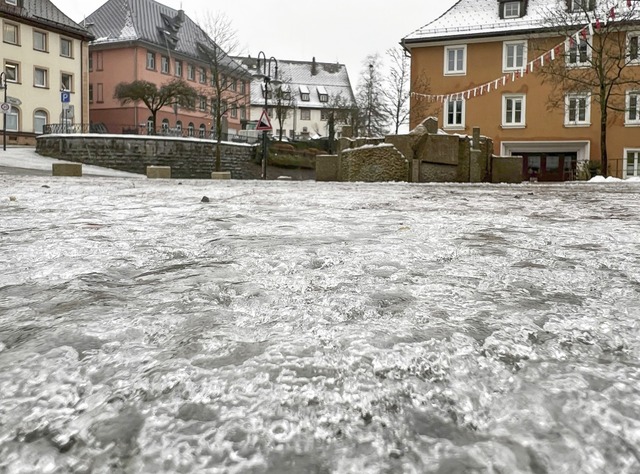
[{"x": 65, "y": 97}]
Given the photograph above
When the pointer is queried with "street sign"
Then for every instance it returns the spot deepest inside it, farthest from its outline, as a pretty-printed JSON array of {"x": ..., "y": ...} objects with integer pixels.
[
  {"x": 264, "y": 124},
  {"x": 66, "y": 105},
  {"x": 14, "y": 101},
  {"x": 65, "y": 97},
  {"x": 5, "y": 107},
  {"x": 70, "y": 112}
]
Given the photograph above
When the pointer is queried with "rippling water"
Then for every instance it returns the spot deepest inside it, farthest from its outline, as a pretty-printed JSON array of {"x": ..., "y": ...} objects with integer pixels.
[{"x": 301, "y": 327}]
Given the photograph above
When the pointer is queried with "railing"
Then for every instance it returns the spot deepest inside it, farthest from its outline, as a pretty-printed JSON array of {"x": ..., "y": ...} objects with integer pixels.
[{"x": 61, "y": 128}]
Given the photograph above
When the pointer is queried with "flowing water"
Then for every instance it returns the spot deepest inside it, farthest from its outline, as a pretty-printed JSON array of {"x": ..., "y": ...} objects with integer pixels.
[{"x": 302, "y": 327}]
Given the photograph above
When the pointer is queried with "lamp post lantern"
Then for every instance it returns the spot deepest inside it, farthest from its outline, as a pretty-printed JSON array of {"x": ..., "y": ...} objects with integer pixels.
[
  {"x": 263, "y": 70},
  {"x": 3, "y": 85}
]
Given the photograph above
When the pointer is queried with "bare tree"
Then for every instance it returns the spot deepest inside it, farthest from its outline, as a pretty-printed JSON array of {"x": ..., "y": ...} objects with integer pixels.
[
  {"x": 339, "y": 111},
  {"x": 224, "y": 71},
  {"x": 594, "y": 62},
  {"x": 283, "y": 104},
  {"x": 396, "y": 91},
  {"x": 372, "y": 118},
  {"x": 155, "y": 98}
]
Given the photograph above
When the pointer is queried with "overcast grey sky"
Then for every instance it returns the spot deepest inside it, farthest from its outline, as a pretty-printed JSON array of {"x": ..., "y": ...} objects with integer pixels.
[{"x": 344, "y": 31}]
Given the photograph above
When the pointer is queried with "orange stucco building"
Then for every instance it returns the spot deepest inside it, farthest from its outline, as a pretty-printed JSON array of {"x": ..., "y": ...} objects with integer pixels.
[
  {"x": 145, "y": 40},
  {"x": 480, "y": 64}
]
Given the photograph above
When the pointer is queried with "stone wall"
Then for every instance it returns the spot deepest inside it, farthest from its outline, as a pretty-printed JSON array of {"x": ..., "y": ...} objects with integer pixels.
[
  {"x": 187, "y": 157},
  {"x": 372, "y": 163}
]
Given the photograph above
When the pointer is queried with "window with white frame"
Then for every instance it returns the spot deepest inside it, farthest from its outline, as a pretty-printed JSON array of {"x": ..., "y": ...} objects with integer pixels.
[
  {"x": 13, "y": 119},
  {"x": 39, "y": 40},
  {"x": 191, "y": 72},
  {"x": 577, "y": 109},
  {"x": 514, "y": 55},
  {"x": 190, "y": 129},
  {"x": 633, "y": 52},
  {"x": 455, "y": 59},
  {"x": 578, "y": 52},
  {"x": 66, "y": 81},
  {"x": 164, "y": 65},
  {"x": 454, "y": 113},
  {"x": 632, "y": 158},
  {"x": 203, "y": 75},
  {"x": 151, "y": 60},
  {"x": 511, "y": 10},
  {"x": 40, "y": 118},
  {"x": 203, "y": 103},
  {"x": 513, "y": 110},
  {"x": 632, "y": 115},
  {"x": 12, "y": 71},
  {"x": 40, "y": 77},
  {"x": 66, "y": 48},
  {"x": 203, "y": 131},
  {"x": 10, "y": 33},
  {"x": 178, "y": 71},
  {"x": 305, "y": 114}
]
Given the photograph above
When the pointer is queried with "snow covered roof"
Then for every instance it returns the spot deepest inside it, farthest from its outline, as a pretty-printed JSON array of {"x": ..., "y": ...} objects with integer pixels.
[
  {"x": 45, "y": 13},
  {"x": 481, "y": 18},
  {"x": 154, "y": 23},
  {"x": 305, "y": 77}
]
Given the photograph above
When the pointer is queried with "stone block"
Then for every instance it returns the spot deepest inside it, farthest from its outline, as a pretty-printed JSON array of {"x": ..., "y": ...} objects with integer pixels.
[
  {"x": 327, "y": 168},
  {"x": 66, "y": 169},
  {"x": 159, "y": 172},
  {"x": 220, "y": 175},
  {"x": 506, "y": 169}
]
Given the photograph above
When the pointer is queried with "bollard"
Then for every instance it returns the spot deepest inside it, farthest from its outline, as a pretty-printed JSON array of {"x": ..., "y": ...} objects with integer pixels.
[
  {"x": 66, "y": 169},
  {"x": 221, "y": 175},
  {"x": 159, "y": 172}
]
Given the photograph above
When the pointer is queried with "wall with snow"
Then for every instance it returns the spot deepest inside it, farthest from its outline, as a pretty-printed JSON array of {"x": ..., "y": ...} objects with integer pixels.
[{"x": 188, "y": 158}]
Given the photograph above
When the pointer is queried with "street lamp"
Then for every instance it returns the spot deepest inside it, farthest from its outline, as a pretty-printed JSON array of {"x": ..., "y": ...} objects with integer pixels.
[
  {"x": 3, "y": 85},
  {"x": 265, "y": 75}
]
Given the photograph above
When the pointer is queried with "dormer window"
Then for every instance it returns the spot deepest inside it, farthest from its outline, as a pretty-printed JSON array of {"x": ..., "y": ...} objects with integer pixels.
[
  {"x": 304, "y": 93},
  {"x": 578, "y": 6},
  {"x": 511, "y": 10},
  {"x": 323, "y": 96}
]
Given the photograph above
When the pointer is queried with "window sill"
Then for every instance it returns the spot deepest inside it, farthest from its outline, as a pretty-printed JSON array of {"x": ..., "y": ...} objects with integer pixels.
[
  {"x": 455, "y": 73},
  {"x": 40, "y": 87},
  {"x": 12, "y": 44},
  {"x": 512, "y": 126},
  {"x": 577, "y": 125},
  {"x": 454, "y": 127},
  {"x": 632, "y": 124}
]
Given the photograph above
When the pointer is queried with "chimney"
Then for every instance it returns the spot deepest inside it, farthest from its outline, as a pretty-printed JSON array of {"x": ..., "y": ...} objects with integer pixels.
[
  {"x": 181, "y": 16},
  {"x": 314, "y": 67}
]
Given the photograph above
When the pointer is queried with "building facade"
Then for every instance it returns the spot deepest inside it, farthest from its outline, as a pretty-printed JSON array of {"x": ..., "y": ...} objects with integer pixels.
[
  {"x": 145, "y": 40},
  {"x": 304, "y": 95},
  {"x": 496, "y": 64},
  {"x": 43, "y": 52}
]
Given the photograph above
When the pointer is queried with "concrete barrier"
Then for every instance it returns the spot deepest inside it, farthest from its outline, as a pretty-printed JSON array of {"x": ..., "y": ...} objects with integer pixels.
[
  {"x": 66, "y": 169},
  {"x": 221, "y": 175},
  {"x": 159, "y": 172}
]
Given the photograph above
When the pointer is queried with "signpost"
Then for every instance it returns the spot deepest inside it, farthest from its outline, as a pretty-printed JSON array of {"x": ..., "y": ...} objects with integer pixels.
[
  {"x": 6, "y": 108},
  {"x": 65, "y": 98}
]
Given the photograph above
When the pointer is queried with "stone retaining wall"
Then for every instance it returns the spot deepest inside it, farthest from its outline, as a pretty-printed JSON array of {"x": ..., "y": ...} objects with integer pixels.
[{"x": 187, "y": 157}]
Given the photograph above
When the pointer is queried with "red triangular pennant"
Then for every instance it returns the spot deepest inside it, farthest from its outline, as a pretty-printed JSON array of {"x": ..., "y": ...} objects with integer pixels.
[{"x": 264, "y": 124}]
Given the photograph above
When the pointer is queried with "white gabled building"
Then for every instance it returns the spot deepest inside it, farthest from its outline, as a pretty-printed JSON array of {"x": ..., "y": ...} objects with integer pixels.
[
  {"x": 43, "y": 52},
  {"x": 311, "y": 90}
]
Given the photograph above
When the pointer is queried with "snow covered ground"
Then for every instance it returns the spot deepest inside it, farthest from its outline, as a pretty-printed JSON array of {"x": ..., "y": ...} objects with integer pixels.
[{"x": 289, "y": 326}]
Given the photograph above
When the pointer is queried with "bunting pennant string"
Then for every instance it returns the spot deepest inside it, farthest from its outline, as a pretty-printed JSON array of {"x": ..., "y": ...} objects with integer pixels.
[{"x": 550, "y": 55}]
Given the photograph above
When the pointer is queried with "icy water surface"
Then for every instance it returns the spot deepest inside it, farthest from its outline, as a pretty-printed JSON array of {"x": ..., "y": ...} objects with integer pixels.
[{"x": 301, "y": 327}]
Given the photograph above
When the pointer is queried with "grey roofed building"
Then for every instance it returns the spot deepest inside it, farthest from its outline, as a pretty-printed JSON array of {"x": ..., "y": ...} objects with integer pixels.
[
  {"x": 152, "y": 23},
  {"x": 333, "y": 78},
  {"x": 44, "y": 13},
  {"x": 314, "y": 87}
]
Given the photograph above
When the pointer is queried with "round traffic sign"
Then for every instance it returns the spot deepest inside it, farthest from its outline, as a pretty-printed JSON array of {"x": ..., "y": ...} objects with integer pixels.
[{"x": 5, "y": 107}]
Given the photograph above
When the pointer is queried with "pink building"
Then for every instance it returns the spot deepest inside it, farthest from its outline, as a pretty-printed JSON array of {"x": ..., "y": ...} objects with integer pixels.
[{"x": 145, "y": 40}]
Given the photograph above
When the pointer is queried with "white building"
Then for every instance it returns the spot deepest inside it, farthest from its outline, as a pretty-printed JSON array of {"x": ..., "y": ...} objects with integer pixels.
[
  {"x": 43, "y": 52},
  {"x": 311, "y": 89}
]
